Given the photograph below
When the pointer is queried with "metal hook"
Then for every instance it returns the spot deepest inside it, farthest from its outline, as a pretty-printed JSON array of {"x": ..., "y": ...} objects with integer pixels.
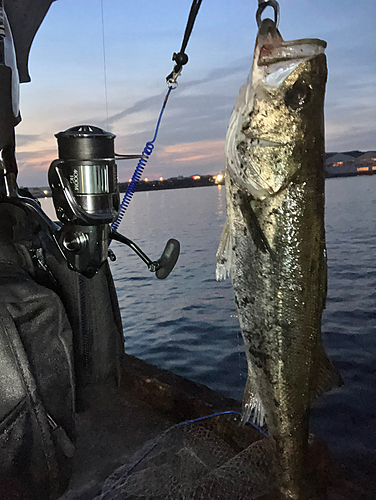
[
  {"x": 262, "y": 6},
  {"x": 172, "y": 78}
]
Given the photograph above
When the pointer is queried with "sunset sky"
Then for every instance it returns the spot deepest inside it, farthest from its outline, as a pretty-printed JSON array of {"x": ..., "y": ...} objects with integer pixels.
[{"x": 67, "y": 70}]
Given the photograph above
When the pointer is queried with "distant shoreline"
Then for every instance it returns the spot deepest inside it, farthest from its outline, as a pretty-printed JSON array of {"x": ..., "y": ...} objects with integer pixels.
[
  {"x": 348, "y": 174},
  {"x": 350, "y": 164},
  {"x": 194, "y": 181},
  {"x": 156, "y": 185}
]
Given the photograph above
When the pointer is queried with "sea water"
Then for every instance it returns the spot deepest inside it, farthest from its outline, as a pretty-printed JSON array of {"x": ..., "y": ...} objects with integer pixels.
[{"x": 188, "y": 322}]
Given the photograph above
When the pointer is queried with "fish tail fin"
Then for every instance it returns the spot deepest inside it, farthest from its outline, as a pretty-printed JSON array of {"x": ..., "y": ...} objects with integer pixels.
[
  {"x": 252, "y": 407},
  {"x": 328, "y": 376},
  {"x": 224, "y": 254}
]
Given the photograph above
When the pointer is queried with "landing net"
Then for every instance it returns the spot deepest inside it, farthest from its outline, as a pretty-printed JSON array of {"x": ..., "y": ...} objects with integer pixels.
[{"x": 197, "y": 461}]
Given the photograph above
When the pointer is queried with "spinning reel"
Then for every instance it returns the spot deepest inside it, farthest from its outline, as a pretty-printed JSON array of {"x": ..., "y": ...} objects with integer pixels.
[{"x": 86, "y": 198}]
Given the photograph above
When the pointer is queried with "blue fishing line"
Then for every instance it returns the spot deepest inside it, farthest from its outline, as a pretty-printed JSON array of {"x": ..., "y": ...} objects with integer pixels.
[
  {"x": 148, "y": 149},
  {"x": 180, "y": 424}
]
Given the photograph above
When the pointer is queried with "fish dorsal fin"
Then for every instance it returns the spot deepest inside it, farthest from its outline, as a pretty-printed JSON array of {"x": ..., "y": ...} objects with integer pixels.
[
  {"x": 224, "y": 254},
  {"x": 328, "y": 377}
]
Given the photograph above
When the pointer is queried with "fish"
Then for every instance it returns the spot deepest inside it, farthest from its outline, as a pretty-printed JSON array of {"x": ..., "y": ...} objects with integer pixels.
[{"x": 273, "y": 243}]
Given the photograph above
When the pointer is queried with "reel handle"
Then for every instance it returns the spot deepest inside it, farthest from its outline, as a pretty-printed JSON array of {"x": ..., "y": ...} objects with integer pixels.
[
  {"x": 161, "y": 267},
  {"x": 168, "y": 259}
]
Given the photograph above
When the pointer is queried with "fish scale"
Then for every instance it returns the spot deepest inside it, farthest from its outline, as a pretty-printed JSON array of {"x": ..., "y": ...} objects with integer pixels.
[{"x": 273, "y": 244}]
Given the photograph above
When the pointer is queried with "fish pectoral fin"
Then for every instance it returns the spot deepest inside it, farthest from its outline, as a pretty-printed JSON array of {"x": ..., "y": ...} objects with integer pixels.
[
  {"x": 252, "y": 407},
  {"x": 224, "y": 254},
  {"x": 328, "y": 377},
  {"x": 253, "y": 225}
]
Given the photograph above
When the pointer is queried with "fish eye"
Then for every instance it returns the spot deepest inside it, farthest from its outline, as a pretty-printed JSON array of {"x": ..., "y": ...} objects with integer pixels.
[{"x": 297, "y": 96}]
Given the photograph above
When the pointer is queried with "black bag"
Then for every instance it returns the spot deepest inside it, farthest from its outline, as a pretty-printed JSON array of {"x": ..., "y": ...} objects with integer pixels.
[{"x": 37, "y": 404}]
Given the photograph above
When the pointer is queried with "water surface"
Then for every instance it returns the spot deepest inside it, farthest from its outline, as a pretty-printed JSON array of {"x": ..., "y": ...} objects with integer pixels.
[{"x": 187, "y": 323}]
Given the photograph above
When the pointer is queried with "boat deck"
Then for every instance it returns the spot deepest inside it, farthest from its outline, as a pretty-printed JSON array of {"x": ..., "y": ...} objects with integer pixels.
[{"x": 118, "y": 422}]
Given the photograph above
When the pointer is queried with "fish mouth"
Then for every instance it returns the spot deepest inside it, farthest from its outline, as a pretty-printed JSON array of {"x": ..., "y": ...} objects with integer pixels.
[
  {"x": 290, "y": 50},
  {"x": 274, "y": 49}
]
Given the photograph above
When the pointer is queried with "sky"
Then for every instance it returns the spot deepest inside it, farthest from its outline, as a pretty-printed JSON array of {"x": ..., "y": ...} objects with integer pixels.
[{"x": 136, "y": 42}]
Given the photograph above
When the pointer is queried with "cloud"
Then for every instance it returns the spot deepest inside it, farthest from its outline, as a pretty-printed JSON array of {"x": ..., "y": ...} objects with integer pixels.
[
  {"x": 183, "y": 158},
  {"x": 26, "y": 139},
  {"x": 154, "y": 102},
  {"x": 188, "y": 119},
  {"x": 142, "y": 105},
  {"x": 33, "y": 167},
  {"x": 191, "y": 158},
  {"x": 202, "y": 151},
  {"x": 350, "y": 136}
]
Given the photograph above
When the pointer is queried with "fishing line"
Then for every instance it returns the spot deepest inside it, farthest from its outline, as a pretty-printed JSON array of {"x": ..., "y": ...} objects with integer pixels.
[
  {"x": 148, "y": 149},
  {"x": 163, "y": 435},
  {"x": 180, "y": 59},
  {"x": 104, "y": 63}
]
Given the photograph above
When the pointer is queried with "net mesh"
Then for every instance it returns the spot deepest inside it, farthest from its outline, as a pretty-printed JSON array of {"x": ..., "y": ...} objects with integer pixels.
[{"x": 195, "y": 461}]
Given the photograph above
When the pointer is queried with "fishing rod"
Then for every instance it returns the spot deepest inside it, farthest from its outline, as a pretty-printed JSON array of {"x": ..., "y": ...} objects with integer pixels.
[{"x": 181, "y": 57}]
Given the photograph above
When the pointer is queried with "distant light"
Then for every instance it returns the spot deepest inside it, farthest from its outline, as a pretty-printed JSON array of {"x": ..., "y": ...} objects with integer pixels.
[
  {"x": 196, "y": 177},
  {"x": 373, "y": 168},
  {"x": 45, "y": 191},
  {"x": 146, "y": 179},
  {"x": 338, "y": 164},
  {"x": 129, "y": 180},
  {"x": 362, "y": 169},
  {"x": 161, "y": 179}
]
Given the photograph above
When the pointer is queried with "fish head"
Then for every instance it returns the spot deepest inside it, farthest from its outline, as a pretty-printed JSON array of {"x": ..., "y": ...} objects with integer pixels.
[{"x": 278, "y": 116}]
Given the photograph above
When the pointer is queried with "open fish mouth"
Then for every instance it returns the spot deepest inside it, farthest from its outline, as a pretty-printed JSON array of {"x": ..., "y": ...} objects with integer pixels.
[{"x": 288, "y": 50}]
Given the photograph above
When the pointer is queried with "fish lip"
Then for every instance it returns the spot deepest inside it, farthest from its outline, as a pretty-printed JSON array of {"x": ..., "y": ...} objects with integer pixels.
[
  {"x": 271, "y": 52},
  {"x": 305, "y": 41}
]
